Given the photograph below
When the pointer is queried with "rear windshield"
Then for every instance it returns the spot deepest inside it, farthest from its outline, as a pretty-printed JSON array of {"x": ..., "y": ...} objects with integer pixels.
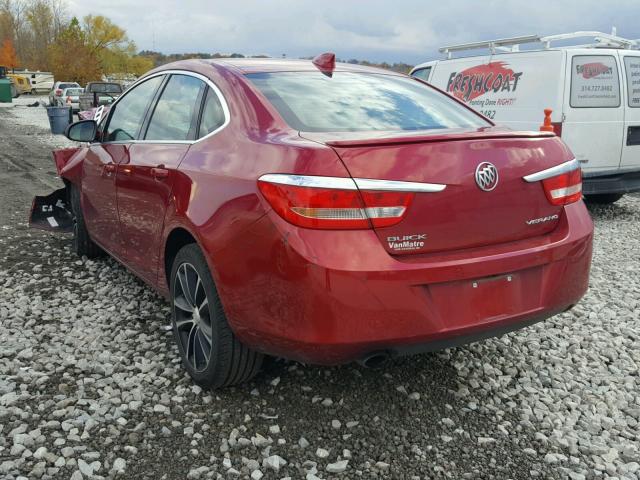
[
  {"x": 74, "y": 91},
  {"x": 67, "y": 85},
  {"x": 349, "y": 102},
  {"x": 105, "y": 88}
]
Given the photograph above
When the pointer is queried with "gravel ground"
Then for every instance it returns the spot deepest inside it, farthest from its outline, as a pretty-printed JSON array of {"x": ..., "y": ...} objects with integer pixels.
[{"x": 91, "y": 384}]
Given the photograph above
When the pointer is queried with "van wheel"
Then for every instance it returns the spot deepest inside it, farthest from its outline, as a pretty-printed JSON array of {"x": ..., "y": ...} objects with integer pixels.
[
  {"x": 82, "y": 243},
  {"x": 210, "y": 352},
  {"x": 603, "y": 198}
]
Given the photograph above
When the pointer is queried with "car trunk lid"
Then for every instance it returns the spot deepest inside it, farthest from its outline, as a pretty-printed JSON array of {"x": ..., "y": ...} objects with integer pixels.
[{"x": 462, "y": 215}]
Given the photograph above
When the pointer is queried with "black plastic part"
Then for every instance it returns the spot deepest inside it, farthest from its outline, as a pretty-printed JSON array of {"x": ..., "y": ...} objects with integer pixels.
[
  {"x": 52, "y": 212},
  {"x": 633, "y": 135},
  {"x": 621, "y": 182}
]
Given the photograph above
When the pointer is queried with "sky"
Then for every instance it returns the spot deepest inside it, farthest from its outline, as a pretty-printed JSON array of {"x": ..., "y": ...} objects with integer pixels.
[{"x": 409, "y": 31}]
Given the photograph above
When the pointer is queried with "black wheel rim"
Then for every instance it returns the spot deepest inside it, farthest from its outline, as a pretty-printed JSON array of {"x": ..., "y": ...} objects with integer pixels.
[{"x": 192, "y": 318}]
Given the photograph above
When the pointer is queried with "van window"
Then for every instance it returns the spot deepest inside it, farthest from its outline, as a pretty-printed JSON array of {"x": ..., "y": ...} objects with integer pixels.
[
  {"x": 594, "y": 82},
  {"x": 422, "y": 73},
  {"x": 632, "y": 67}
]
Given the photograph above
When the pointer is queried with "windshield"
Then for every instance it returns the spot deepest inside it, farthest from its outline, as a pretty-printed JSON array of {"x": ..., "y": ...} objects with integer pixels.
[
  {"x": 105, "y": 88},
  {"x": 313, "y": 102}
]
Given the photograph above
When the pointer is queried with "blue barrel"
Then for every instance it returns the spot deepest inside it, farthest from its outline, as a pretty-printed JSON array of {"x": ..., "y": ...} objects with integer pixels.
[{"x": 58, "y": 119}]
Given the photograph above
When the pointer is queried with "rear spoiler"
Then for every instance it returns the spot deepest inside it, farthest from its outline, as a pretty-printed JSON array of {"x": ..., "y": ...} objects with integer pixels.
[{"x": 361, "y": 139}]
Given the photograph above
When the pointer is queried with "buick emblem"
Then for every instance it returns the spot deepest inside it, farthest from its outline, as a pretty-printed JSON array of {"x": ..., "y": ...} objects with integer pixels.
[{"x": 487, "y": 176}]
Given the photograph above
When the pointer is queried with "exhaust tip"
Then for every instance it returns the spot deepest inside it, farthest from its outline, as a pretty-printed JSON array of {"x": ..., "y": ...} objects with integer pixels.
[{"x": 375, "y": 360}]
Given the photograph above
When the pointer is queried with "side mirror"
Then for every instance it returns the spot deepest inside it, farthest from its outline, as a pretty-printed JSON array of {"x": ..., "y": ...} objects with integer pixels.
[{"x": 82, "y": 131}]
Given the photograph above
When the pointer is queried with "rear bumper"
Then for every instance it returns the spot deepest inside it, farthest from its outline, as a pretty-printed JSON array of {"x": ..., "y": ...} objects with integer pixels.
[
  {"x": 333, "y": 297},
  {"x": 617, "y": 182}
]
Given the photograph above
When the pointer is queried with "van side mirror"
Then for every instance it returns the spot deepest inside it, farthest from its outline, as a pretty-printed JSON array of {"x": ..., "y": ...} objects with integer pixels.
[{"x": 82, "y": 131}]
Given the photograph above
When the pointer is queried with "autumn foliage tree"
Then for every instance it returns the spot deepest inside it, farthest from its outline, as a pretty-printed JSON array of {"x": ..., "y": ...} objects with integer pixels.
[
  {"x": 47, "y": 39},
  {"x": 8, "y": 57},
  {"x": 71, "y": 57}
]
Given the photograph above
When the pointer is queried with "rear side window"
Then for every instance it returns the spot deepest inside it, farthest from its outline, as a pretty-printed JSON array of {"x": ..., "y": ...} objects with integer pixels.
[
  {"x": 175, "y": 115},
  {"x": 129, "y": 112},
  {"x": 345, "y": 102},
  {"x": 632, "y": 67},
  {"x": 422, "y": 73},
  {"x": 212, "y": 114},
  {"x": 594, "y": 82}
]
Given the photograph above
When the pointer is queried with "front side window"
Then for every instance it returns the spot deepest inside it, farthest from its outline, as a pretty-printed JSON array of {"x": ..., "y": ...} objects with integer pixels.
[
  {"x": 422, "y": 73},
  {"x": 175, "y": 115},
  {"x": 594, "y": 82},
  {"x": 346, "y": 102},
  {"x": 212, "y": 114},
  {"x": 128, "y": 114}
]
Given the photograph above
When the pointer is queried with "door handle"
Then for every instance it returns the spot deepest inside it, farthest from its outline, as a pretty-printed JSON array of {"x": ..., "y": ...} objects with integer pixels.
[
  {"x": 159, "y": 173},
  {"x": 108, "y": 169}
]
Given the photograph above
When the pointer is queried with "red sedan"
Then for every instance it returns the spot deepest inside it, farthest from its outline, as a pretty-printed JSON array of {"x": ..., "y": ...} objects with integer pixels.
[{"x": 322, "y": 212}]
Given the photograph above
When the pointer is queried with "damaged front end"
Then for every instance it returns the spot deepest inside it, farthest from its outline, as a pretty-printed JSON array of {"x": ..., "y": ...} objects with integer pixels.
[{"x": 53, "y": 212}]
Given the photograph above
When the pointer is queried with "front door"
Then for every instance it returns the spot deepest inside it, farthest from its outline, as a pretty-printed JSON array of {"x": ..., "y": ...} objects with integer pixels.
[
  {"x": 630, "y": 159},
  {"x": 98, "y": 198},
  {"x": 144, "y": 183},
  {"x": 593, "y": 110}
]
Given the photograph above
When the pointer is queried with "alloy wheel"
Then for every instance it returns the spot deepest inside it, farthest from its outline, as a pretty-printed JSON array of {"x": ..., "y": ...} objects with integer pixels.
[{"x": 192, "y": 318}]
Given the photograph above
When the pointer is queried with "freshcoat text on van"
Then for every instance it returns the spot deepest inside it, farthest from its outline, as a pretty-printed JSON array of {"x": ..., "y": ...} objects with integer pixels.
[{"x": 480, "y": 79}]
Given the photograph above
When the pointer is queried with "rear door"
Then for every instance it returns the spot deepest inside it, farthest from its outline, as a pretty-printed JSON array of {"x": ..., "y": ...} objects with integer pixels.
[
  {"x": 593, "y": 109},
  {"x": 145, "y": 181},
  {"x": 630, "y": 159}
]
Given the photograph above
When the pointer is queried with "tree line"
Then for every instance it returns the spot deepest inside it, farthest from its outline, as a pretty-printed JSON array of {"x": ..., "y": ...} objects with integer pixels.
[{"x": 42, "y": 35}]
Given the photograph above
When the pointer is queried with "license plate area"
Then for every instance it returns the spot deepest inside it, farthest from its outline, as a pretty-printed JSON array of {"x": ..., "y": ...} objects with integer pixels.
[{"x": 486, "y": 299}]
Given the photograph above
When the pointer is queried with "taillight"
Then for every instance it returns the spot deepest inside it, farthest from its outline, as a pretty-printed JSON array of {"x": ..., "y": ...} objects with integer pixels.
[
  {"x": 557, "y": 128},
  {"x": 332, "y": 202},
  {"x": 565, "y": 188},
  {"x": 562, "y": 184},
  {"x": 58, "y": 92}
]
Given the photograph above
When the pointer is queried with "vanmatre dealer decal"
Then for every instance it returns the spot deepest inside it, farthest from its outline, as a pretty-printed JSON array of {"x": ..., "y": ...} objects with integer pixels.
[{"x": 474, "y": 82}]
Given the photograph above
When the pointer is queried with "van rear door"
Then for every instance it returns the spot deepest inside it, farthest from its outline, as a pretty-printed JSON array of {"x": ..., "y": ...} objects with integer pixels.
[
  {"x": 511, "y": 89},
  {"x": 630, "y": 159},
  {"x": 593, "y": 109}
]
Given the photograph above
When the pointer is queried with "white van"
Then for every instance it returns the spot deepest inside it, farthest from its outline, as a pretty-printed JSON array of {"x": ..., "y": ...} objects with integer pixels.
[{"x": 593, "y": 90}]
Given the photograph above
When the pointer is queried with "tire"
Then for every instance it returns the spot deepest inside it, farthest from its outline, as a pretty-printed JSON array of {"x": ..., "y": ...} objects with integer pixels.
[
  {"x": 82, "y": 243},
  {"x": 603, "y": 198},
  {"x": 229, "y": 362}
]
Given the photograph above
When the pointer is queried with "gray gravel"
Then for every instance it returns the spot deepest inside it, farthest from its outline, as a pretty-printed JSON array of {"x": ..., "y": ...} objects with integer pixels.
[{"x": 91, "y": 385}]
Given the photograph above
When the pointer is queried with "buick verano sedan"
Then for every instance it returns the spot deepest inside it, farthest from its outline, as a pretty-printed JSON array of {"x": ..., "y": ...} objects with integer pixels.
[{"x": 322, "y": 212}]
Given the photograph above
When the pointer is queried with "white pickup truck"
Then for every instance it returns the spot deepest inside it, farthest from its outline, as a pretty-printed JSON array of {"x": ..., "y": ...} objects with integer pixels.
[{"x": 593, "y": 90}]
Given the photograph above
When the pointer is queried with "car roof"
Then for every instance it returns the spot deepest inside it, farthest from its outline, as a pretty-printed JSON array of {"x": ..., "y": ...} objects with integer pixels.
[{"x": 261, "y": 65}]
